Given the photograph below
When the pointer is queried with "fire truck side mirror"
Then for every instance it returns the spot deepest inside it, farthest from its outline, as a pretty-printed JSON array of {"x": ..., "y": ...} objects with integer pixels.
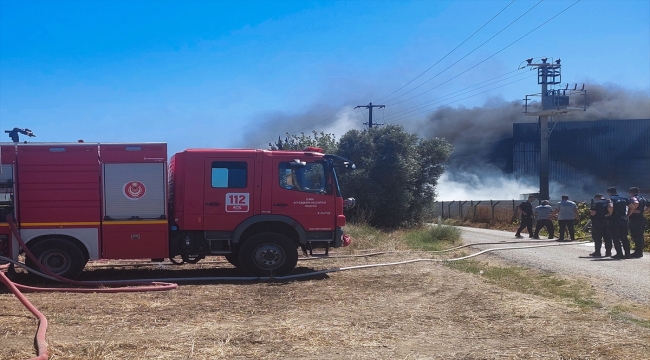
[{"x": 349, "y": 203}]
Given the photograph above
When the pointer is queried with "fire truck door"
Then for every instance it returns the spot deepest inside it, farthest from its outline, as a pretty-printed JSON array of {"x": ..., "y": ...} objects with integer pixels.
[
  {"x": 304, "y": 193},
  {"x": 228, "y": 194}
]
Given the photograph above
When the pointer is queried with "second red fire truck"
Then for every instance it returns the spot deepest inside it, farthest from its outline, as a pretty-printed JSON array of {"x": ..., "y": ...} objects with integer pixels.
[{"x": 75, "y": 202}]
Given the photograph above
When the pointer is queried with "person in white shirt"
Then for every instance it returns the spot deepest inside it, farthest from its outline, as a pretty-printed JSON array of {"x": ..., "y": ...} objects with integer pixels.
[{"x": 567, "y": 212}]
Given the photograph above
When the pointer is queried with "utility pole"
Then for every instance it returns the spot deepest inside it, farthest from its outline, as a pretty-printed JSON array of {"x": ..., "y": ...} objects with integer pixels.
[
  {"x": 369, "y": 107},
  {"x": 554, "y": 102}
]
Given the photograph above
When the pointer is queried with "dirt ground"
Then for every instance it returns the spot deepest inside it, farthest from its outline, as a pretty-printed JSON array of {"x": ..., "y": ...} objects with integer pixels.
[{"x": 414, "y": 311}]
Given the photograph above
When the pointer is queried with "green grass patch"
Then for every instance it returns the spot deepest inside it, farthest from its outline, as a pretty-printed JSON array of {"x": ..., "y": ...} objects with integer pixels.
[
  {"x": 527, "y": 281},
  {"x": 622, "y": 313},
  {"x": 429, "y": 238},
  {"x": 433, "y": 238}
]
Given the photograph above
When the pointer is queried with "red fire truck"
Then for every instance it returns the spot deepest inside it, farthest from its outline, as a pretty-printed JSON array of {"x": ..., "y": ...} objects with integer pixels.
[{"x": 75, "y": 202}]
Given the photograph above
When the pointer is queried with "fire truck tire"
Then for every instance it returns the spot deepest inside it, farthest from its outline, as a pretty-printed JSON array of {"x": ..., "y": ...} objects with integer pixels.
[
  {"x": 268, "y": 254},
  {"x": 233, "y": 259},
  {"x": 61, "y": 256}
]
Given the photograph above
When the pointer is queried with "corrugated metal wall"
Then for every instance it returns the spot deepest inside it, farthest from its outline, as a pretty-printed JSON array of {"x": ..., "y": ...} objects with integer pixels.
[{"x": 591, "y": 154}]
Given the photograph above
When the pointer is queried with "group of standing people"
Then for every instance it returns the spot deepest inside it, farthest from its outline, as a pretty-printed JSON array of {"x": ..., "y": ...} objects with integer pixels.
[
  {"x": 566, "y": 212},
  {"x": 611, "y": 220}
]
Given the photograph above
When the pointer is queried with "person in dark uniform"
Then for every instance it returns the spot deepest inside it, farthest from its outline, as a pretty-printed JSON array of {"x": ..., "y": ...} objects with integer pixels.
[
  {"x": 637, "y": 221},
  {"x": 543, "y": 214},
  {"x": 599, "y": 226},
  {"x": 526, "y": 209},
  {"x": 617, "y": 210}
]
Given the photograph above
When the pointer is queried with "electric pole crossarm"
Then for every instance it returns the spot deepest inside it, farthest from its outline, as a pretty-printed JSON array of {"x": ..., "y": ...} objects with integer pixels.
[{"x": 369, "y": 107}]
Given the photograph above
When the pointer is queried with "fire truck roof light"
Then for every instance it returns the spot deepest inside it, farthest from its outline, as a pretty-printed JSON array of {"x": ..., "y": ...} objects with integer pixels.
[{"x": 314, "y": 149}]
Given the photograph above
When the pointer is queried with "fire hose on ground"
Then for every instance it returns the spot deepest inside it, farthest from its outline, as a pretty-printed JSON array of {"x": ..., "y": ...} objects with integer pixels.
[
  {"x": 41, "y": 345},
  {"x": 163, "y": 284}
]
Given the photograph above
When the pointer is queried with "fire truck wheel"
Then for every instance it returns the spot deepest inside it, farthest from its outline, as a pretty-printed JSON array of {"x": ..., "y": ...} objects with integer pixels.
[
  {"x": 60, "y": 256},
  {"x": 267, "y": 254},
  {"x": 233, "y": 259}
]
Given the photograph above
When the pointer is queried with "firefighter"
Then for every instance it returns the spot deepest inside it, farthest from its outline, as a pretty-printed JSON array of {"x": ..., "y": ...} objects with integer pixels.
[
  {"x": 617, "y": 209},
  {"x": 638, "y": 205},
  {"x": 599, "y": 226}
]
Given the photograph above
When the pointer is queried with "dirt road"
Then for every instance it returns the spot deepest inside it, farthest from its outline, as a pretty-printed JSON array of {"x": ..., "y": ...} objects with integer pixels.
[
  {"x": 628, "y": 279},
  {"x": 416, "y": 311}
]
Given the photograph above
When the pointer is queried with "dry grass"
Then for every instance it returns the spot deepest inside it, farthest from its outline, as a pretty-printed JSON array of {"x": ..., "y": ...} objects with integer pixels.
[
  {"x": 416, "y": 311},
  {"x": 504, "y": 219},
  {"x": 531, "y": 281},
  {"x": 484, "y": 215},
  {"x": 366, "y": 238}
]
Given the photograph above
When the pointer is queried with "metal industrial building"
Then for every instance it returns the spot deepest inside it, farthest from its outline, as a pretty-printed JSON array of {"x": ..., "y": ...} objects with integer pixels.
[{"x": 587, "y": 155}]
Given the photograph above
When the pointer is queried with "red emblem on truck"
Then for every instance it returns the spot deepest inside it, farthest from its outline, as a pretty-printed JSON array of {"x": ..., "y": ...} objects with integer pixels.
[{"x": 134, "y": 190}]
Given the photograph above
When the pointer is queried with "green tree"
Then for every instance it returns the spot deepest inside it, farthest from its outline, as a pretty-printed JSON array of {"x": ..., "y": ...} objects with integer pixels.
[
  {"x": 327, "y": 142},
  {"x": 396, "y": 177}
]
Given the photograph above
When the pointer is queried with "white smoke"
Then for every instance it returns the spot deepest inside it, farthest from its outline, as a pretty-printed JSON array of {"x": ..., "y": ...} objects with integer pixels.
[
  {"x": 486, "y": 184},
  {"x": 344, "y": 121}
]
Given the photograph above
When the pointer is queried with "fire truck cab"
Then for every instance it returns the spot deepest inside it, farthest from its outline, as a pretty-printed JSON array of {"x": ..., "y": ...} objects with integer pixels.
[{"x": 75, "y": 202}]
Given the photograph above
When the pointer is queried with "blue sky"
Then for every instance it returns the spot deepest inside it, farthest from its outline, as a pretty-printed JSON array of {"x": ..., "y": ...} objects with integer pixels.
[{"x": 237, "y": 73}]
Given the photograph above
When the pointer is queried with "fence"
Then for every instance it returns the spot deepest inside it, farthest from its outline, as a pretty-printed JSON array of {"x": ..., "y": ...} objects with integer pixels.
[
  {"x": 477, "y": 210},
  {"x": 485, "y": 211}
]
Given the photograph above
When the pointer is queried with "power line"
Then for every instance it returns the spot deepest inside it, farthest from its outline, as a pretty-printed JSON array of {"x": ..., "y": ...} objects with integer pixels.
[
  {"x": 455, "y": 101},
  {"x": 468, "y": 54},
  {"x": 467, "y": 92},
  {"x": 461, "y": 90},
  {"x": 449, "y": 53},
  {"x": 363, "y": 114},
  {"x": 493, "y": 55},
  {"x": 465, "y": 98}
]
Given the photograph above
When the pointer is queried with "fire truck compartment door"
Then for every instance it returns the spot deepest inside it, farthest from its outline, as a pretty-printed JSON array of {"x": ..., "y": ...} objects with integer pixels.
[{"x": 134, "y": 191}]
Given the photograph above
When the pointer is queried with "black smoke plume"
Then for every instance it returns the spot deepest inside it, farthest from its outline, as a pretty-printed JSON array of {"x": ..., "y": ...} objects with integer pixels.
[{"x": 475, "y": 170}]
